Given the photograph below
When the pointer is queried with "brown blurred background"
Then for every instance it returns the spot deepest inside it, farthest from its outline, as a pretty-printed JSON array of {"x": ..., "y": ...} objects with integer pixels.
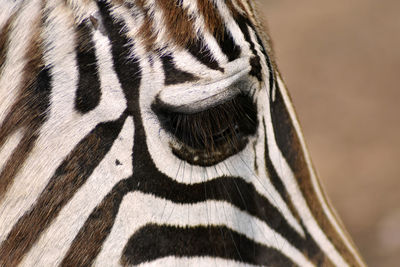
[{"x": 341, "y": 62}]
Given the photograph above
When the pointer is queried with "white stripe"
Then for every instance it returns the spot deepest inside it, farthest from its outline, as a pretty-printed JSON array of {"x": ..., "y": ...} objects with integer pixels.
[
  {"x": 138, "y": 209},
  {"x": 200, "y": 29},
  {"x": 9, "y": 146},
  {"x": 82, "y": 9},
  {"x": 314, "y": 180},
  {"x": 234, "y": 29},
  {"x": 56, "y": 240},
  {"x": 8, "y": 8},
  {"x": 186, "y": 61},
  {"x": 19, "y": 40}
]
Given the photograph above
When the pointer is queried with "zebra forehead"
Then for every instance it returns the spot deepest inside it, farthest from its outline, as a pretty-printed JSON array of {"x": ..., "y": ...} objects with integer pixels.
[
  {"x": 160, "y": 23},
  {"x": 182, "y": 19}
]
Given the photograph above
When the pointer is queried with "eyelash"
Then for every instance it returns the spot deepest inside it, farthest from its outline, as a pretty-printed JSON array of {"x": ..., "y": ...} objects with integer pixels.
[{"x": 214, "y": 128}]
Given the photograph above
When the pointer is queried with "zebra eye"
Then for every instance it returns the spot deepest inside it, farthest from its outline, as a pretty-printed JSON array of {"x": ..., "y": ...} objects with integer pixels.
[{"x": 212, "y": 135}]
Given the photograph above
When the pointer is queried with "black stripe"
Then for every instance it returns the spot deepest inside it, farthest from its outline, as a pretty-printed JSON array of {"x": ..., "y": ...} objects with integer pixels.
[
  {"x": 268, "y": 60},
  {"x": 157, "y": 241},
  {"x": 41, "y": 89},
  {"x": 88, "y": 92},
  {"x": 174, "y": 75},
  {"x": 228, "y": 46},
  {"x": 30, "y": 111},
  {"x": 272, "y": 174},
  {"x": 4, "y": 40},
  {"x": 200, "y": 51},
  {"x": 255, "y": 64},
  {"x": 285, "y": 134},
  {"x": 89, "y": 240},
  {"x": 126, "y": 66}
]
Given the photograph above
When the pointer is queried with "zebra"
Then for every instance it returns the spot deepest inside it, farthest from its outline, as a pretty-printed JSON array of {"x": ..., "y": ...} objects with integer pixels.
[{"x": 153, "y": 133}]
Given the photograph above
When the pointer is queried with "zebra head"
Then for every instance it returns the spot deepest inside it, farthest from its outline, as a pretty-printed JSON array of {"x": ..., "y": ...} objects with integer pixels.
[{"x": 153, "y": 132}]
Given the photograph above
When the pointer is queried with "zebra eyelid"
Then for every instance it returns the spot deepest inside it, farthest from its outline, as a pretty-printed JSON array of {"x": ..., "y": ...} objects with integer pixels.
[{"x": 204, "y": 95}]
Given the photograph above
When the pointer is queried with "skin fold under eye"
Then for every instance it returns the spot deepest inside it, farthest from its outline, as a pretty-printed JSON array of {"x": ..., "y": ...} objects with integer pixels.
[{"x": 212, "y": 135}]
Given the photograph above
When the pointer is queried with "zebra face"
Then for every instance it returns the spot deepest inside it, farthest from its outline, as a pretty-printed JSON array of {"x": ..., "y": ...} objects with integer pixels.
[{"x": 152, "y": 132}]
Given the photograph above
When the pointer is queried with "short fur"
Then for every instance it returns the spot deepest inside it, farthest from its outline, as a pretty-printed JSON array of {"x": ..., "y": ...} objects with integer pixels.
[{"x": 103, "y": 166}]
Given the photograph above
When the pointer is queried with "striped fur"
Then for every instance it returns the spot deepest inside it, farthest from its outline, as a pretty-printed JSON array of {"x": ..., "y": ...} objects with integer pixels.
[{"x": 90, "y": 174}]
